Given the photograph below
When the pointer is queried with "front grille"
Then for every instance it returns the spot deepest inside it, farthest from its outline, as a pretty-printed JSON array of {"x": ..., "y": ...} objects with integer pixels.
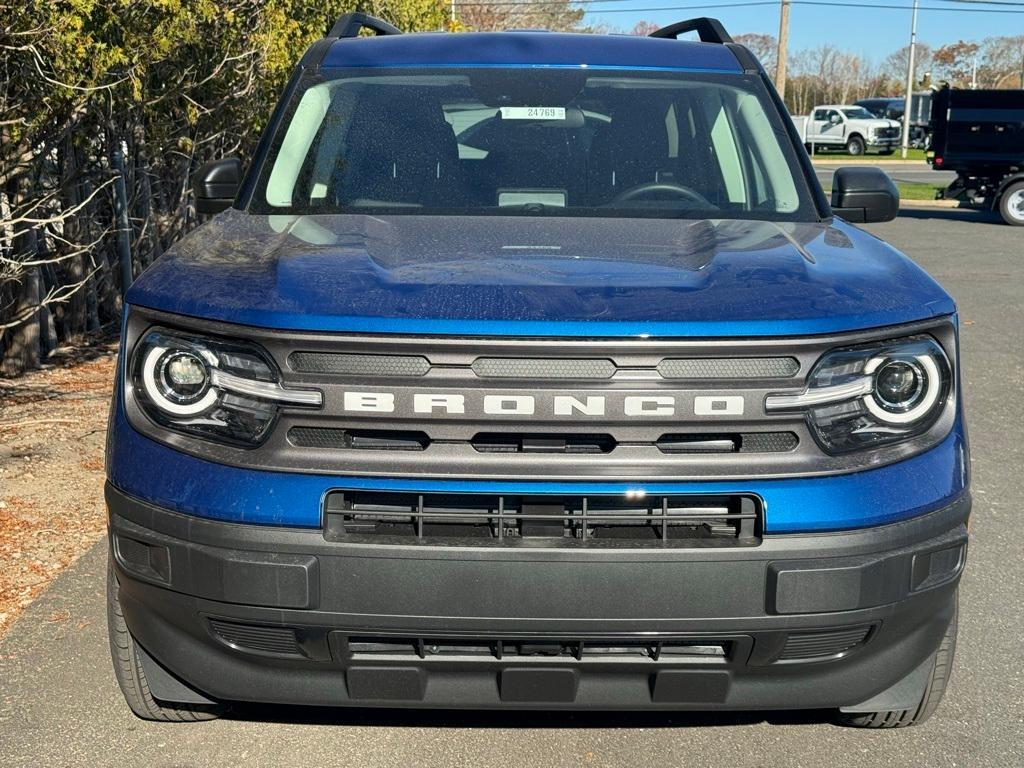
[
  {"x": 410, "y": 518},
  {"x": 359, "y": 648},
  {"x": 632, "y": 411},
  {"x": 277, "y": 641},
  {"x": 820, "y": 645},
  {"x": 543, "y": 368},
  {"x": 336, "y": 439}
]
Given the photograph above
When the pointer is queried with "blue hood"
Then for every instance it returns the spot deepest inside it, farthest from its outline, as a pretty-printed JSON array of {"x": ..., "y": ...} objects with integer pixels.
[{"x": 538, "y": 276}]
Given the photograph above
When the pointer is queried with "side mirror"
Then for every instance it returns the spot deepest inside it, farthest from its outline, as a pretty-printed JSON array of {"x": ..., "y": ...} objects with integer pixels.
[
  {"x": 216, "y": 184},
  {"x": 835, "y": 119},
  {"x": 864, "y": 195}
]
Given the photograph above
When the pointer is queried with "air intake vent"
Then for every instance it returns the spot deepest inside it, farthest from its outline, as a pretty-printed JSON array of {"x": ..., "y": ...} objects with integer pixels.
[
  {"x": 277, "y": 641},
  {"x": 651, "y": 650},
  {"x": 729, "y": 368},
  {"x": 542, "y": 368},
  {"x": 358, "y": 439},
  {"x": 513, "y": 443},
  {"x": 557, "y": 520},
  {"x": 742, "y": 442},
  {"x": 820, "y": 645},
  {"x": 336, "y": 364}
]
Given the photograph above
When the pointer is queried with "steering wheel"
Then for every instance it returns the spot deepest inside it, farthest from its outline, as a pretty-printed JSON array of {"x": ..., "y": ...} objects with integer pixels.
[{"x": 655, "y": 187}]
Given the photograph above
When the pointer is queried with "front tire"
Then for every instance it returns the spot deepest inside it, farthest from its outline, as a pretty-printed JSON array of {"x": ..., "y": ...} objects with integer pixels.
[
  {"x": 1011, "y": 204},
  {"x": 131, "y": 676},
  {"x": 856, "y": 146},
  {"x": 942, "y": 666}
]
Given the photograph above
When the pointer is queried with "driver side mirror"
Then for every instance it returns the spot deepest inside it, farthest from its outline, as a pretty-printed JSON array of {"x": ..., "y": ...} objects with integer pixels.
[
  {"x": 216, "y": 184},
  {"x": 864, "y": 195}
]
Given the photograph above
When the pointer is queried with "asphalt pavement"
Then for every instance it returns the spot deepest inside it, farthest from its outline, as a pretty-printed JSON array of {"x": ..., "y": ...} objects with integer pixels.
[{"x": 59, "y": 704}]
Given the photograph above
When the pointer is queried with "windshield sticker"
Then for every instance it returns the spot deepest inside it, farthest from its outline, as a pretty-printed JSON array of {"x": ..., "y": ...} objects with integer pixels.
[{"x": 533, "y": 113}]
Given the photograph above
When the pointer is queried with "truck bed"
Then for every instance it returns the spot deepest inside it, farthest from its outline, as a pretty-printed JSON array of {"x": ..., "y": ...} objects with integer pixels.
[{"x": 978, "y": 132}]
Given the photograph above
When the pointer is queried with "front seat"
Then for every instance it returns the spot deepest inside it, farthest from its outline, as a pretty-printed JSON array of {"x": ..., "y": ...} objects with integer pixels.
[
  {"x": 398, "y": 149},
  {"x": 631, "y": 150}
]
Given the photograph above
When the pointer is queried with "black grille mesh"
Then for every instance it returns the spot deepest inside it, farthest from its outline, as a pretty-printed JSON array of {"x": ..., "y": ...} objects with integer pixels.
[
  {"x": 542, "y": 368},
  {"x": 359, "y": 365},
  {"x": 729, "y": 368},
  {"x": 767, "y": 442},
  {"x": 328, "y": 438}
]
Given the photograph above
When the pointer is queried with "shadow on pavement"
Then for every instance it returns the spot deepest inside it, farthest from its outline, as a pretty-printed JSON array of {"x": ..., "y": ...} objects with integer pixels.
[
  {"x": 452, "y": 718},
  {"x": 971, "y": 215}
]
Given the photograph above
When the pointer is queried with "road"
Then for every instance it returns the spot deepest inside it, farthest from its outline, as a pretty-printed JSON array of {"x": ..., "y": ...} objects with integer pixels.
[{"x": 59, "y": 705}]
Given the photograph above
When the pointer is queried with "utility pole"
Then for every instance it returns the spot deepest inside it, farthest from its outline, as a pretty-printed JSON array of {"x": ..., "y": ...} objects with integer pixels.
[
  {"x": 908, "y": 101},
  {"x": 780, "y": 56}
]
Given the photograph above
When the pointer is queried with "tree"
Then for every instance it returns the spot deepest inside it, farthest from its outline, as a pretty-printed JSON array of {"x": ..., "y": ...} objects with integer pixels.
[
  {"x": 895, "y": 65},
  {"x": 643, "y": 28},
  {"x": 1003, "y": 62},
  {"x": 557, "y": 15},
  {"x": 956, "y": 63},
  {"x": 765, "y": 47},
  {"x": 158, "y": 86}
]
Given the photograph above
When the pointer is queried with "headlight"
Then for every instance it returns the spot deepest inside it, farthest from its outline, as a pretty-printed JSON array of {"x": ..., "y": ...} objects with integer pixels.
[
  {"x": 209, "y": 388},
  {"x": 873, "y": 395}
]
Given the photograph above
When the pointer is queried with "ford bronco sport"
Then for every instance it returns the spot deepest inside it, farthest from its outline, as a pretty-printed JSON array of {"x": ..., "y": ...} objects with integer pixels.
[{"x": 535, "y": 370}]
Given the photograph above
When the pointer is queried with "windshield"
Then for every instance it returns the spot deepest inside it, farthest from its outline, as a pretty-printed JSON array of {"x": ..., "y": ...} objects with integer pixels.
[
  {"x": 546, "y": 141},
  {"x": 857, "y": 113}
]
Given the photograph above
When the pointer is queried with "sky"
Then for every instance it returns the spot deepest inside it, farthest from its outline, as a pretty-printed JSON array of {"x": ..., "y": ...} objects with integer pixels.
[{"x": 871, "y": 32}]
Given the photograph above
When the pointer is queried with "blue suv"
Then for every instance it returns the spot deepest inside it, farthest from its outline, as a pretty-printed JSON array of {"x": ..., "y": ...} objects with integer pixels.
[{"x": 534, "y": 370}]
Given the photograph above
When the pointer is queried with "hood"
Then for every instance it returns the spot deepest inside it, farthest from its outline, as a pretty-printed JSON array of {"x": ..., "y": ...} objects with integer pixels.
[{"x": 538, "y": 276}]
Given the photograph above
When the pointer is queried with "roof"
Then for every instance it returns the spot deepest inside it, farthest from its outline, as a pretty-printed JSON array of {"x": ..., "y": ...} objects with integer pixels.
[{"x": 537, "y": 49}]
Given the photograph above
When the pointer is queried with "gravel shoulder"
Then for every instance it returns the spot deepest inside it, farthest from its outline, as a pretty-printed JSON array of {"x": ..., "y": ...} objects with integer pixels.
[{"x": 52, "y": 429}]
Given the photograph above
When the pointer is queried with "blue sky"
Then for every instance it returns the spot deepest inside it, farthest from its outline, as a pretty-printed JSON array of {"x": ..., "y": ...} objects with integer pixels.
[{"x": 874, "y": 33}]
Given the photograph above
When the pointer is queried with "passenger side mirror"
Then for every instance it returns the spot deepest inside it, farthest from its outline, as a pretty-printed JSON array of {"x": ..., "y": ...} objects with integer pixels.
[
  {"x": 864, "y": 195},
  {"x": 835, "y": 119},
  {"x": 216, "y": 184}
]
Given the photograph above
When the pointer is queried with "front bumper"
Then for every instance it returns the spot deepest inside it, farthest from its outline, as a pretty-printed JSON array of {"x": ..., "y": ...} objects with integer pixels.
[
  {"x": 257, "y": 613},
  {"x": 880, "y": 142}
]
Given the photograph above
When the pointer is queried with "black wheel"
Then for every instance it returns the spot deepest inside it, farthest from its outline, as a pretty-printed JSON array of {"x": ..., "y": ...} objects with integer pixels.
[
  {"x": 942, "y": 666},
  {"x": 856, "y": 146},
  {"x": 1011, "y": 204},
  {"x": 132, "y": 677}
]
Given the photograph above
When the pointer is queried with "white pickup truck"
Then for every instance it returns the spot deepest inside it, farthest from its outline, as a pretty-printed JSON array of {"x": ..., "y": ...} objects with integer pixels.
[{"x": 842, "y": 125}]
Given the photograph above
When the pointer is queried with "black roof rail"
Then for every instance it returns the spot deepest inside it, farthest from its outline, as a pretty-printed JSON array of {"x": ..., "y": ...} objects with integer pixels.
[
  {"x": 351, "y": 24},
  {"x": 707, "y": 29}
]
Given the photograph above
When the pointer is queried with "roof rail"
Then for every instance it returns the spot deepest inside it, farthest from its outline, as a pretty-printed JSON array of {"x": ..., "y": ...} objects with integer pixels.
[
  {"x": 707, "y": 29},
  {"x": 351, "y": 24}
]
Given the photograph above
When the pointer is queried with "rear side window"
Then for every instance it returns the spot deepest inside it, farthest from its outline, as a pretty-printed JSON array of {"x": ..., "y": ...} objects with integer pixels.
[{"x": 569, "y": 142}]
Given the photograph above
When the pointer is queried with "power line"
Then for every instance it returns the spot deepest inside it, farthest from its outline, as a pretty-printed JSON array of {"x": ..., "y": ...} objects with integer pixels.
[
  {"x": 906, "y": 8},
  {"x": 541, "y": 3},
  {"x": 527, "y": 4},
  {"x": 982, "y": 2},
  {"x": 803, "y": 2}
]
